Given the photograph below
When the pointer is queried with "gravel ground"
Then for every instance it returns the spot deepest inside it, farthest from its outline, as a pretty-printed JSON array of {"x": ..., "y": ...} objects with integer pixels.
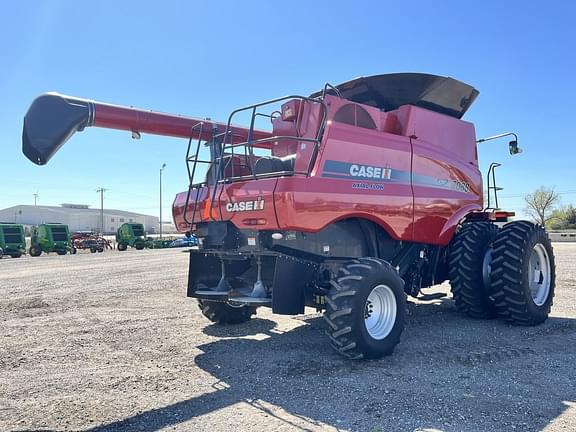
[{"x": 109, "y": 342}]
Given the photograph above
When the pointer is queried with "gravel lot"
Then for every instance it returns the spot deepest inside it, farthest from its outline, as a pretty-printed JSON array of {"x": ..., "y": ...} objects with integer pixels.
[{"x": 109, "y": 342}]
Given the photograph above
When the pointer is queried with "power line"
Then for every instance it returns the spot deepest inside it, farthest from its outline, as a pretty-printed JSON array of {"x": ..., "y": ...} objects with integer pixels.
[{"x": 522, "y": 195}]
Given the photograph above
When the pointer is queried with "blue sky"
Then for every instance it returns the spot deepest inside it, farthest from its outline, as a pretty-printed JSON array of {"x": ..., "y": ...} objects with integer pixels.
[{"x": 207, "y": 58}]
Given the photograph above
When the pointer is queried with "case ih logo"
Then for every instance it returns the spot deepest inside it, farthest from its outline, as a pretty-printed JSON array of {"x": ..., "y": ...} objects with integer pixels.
[
  {"x": 347, "y": 170},
  {"x": 241, "y": 206},
  {"x": 367, "y": 171}
]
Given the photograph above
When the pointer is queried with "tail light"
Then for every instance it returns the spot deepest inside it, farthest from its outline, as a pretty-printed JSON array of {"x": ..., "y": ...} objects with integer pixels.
[{"x": 259, "y": 221}]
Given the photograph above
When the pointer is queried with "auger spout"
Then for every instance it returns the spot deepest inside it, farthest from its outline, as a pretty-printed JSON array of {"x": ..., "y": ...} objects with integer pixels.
[{"x": 53, "y": 118}]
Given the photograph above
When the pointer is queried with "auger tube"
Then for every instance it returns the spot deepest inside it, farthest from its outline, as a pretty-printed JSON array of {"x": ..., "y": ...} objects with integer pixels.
[{"x": 53, "y": 118}]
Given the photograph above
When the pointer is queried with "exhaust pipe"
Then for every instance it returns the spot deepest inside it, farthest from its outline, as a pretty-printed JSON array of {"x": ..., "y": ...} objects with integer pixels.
[{"x": 53, "y": 118}]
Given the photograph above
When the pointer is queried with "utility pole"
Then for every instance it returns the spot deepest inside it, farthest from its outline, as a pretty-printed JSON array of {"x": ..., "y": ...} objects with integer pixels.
[
  {"x": 35, "y": 198},
  {"x": 161, "y": 169},
  {"x": 101, "y": 191}
]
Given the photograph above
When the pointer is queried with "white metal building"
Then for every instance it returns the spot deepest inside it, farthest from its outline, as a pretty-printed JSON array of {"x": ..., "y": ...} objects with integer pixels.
[{"x": 78, "y": 217}]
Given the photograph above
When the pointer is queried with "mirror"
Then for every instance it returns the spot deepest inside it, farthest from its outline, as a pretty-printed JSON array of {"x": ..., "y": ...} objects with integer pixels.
[{"x": 514, "y": 149}]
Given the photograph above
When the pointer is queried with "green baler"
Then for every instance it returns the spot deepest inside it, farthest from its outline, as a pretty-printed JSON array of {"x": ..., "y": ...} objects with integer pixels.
[
  {"x": 12, "y": 241},
  {"x": 53, "y": 237},
  {"x": 131, "y": 234}
]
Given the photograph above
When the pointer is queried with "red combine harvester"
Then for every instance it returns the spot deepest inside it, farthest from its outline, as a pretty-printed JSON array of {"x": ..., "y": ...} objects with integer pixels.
[{"x": 359, "y": 195}]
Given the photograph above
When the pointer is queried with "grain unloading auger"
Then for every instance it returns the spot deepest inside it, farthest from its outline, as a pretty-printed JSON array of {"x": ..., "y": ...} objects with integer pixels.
[
  {"x": 359, "y": 195},
  {"x": 53, "y": 118}
]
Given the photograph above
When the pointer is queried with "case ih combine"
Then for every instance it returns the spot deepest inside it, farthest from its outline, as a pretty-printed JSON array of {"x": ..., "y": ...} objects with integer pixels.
[{"x": 359, "y": 195}]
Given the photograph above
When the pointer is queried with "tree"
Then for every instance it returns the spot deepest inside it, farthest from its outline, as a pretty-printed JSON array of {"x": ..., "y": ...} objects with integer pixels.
[
  {"x": 562, "y": 218},
  {"x": 540, "y": 203},
  {"x": 570, "y": 215}
]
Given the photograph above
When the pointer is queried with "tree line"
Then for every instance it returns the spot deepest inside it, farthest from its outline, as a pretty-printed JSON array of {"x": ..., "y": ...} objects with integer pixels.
[{"x": 543, "y": 206}]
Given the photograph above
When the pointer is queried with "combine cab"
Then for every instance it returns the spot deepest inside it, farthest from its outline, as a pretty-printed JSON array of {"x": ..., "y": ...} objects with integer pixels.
[
  {"x": 131, "y": 234},
  {"x": 12, "y": 240},
  {"x": 54, "y": 237},
  {"x": 348, "y": 201}
]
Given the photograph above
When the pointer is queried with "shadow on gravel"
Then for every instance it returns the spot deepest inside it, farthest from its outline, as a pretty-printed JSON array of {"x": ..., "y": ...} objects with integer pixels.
[
  {"x": 252, "y": 327},
  {"x": 432, "y": 382}
]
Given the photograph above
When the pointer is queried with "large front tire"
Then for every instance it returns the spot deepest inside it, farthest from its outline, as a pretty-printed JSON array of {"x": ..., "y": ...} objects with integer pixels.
[
  {"x": 523, "y": 273},
  {"x": 366, "y": 309},
  {"x": 223, "y": 313},
  {"x": 469, "y": 268}
]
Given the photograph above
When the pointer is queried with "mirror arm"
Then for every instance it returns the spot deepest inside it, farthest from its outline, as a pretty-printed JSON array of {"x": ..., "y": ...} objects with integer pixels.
[
  {"x": 512, "y": 145},
  {"x": 481, "y": 140}
]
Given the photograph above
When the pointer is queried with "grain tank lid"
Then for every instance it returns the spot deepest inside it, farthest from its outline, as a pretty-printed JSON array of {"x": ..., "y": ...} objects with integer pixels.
[{"x": 390, "y": 91}]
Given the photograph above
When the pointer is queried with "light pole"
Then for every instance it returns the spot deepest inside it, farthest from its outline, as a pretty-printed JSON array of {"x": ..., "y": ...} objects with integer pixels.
[
  {"x": 101, "y": 191},
  {"x": 161, "y": 169}
]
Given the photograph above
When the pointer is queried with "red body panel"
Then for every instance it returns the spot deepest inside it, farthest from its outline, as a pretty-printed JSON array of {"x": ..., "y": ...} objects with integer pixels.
[{"x": 412, "y": 171}]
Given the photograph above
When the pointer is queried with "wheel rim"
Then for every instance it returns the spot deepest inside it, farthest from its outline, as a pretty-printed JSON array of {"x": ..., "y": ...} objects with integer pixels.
[
  {"x": 380, "y": 312},
  {"x": 539, "y": 276}
]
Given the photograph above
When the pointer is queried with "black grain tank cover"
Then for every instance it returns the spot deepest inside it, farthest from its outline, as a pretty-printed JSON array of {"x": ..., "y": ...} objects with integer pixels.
[{"x": 390, "y": 91}]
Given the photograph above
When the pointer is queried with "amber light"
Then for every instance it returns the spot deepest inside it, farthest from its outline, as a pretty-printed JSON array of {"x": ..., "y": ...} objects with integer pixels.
[
  {"x": 254, "y": 221},
  {"x": 501, "y": 214}
]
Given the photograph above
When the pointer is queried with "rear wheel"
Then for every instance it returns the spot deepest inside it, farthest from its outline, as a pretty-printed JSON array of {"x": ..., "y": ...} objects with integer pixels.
[
  {"x": 523, "y": 273},
  {"x": 139, "y": 246},
  {"x": 469, "y": 260},
  {"x": 35, "y": 251},
  {"x": 61, "y": 252},
  {"x": 122, "y": 246},
  {"x": 223, "y": 313},
  {"x": 366, "y": 309},
  {"x": 16, "y": 255}
]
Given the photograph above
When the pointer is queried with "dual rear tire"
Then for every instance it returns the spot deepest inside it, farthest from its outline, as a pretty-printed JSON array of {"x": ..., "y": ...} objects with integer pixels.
[
  {"x": 469, "y": 263},
  {"x": 507, "y": 273},
  {"x": 523, "y": 274}
]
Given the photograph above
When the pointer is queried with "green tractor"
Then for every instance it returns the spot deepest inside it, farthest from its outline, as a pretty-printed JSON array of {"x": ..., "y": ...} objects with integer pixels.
[
  {"x": 12, "y": 240},
  {"x": 53, "y": 237},
  {"x": 131, "y": 234}
]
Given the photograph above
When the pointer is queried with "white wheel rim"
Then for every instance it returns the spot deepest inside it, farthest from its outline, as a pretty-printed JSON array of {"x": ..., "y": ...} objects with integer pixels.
[
  {"x": 539, "y": 275},
  {"x": 380, "y": 312}
]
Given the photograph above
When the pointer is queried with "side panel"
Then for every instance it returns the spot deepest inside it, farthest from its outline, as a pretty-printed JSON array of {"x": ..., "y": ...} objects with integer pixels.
[
  {"x": 359, "y": 173},
  {"x": 243, "y": 202},
  {"x": 446, "y": 180}
]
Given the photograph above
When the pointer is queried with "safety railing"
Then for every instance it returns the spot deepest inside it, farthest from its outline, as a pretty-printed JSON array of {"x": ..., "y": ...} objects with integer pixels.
[{"x": 232, "y": 161}]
